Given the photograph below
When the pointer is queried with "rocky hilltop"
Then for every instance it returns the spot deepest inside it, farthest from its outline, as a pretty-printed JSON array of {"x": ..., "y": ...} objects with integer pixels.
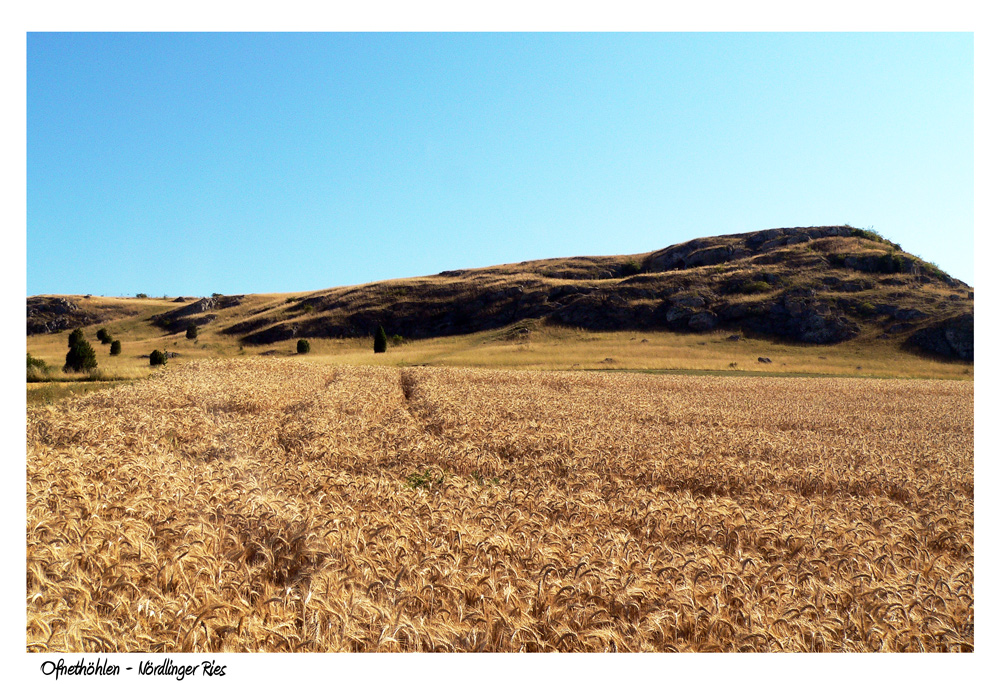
[
  {"x": 55, "y": 314},
  {"x": 819, "y": 285},
  {"x": 816, "y": 285}
]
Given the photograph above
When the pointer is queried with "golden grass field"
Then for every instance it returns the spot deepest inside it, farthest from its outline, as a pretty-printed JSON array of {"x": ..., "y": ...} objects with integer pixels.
[{"x": 267, "y": 504}]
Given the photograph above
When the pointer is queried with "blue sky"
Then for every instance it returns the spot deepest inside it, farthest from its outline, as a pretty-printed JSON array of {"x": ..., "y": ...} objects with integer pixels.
[{"x": 186, "y": 164}]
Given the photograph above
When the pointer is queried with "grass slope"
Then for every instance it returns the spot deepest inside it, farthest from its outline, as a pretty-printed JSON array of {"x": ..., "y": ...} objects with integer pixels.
[{"x": 503, "y": 329}]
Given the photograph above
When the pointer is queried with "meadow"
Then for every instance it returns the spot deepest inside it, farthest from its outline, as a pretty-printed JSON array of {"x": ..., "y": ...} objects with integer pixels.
[
  {"x": 289, "y": 505},
  {"x": 527, "y": 345}
]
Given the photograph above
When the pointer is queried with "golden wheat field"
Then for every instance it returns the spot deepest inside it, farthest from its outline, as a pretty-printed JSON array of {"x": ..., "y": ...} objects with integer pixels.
[{"x": 273, "y": 505}]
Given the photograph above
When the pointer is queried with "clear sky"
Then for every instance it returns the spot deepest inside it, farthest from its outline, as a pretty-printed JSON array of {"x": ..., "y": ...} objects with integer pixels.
[{"x": 186, "y": 164}]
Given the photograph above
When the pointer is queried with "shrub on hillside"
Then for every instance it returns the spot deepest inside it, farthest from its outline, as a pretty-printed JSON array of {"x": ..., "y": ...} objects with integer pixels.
[
  {"x": 103, "y": 336},
  {"x": 37, "y": 369},
  {"x": 396, "y": 340},
  {"x": 891, "y": 263},
  {"x": 157, "y": 358},
  {"x": 380, "y": 340},
  {"x": 866, "y": 309},
  {"x": 80, "y": 357},
  {"x": 192, "y": 332},
  {"x": 75, "y": 338},
  {"x": 141, "y": 295},
  {"x": 754, "y": 286},
  {"x": 116, "y": 347},
  {"x": 874, "y": 236},
  {"x": 302, "y": 347},
  {"x": 932, "y": 269},
  {"x": 631, "y": 268}
]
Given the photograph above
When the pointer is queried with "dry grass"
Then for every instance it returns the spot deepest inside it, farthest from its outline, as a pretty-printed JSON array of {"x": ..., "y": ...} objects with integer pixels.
[
  {"x": 534, "y": 346},
  {"x": 272, "y": 505}
]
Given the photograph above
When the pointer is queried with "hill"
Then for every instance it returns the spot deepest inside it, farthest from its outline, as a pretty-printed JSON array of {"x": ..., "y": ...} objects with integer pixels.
[{"x": 820, "y": 285}]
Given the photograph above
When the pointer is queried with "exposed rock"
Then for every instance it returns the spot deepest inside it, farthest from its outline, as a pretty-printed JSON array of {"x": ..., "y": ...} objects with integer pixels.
[
  {"x": 55, "y": 314},
  {"x": 52, "y": 314},
  {"x": 908, "y": 314},
  {"x": 714, "y": 255},
  {"x": 763, "y": 359},
  {"x": 703, "y": 321},
  {"x": 779, "y": 237},
  {"x": 692, "y": 301},
  {"x": 678, "y": 313},
  {"x": 952, "y": 338}
]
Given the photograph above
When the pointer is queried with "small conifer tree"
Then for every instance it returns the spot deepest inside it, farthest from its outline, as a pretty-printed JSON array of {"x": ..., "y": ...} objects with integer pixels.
[
  {"x": 380, "y": 340},
  {"x": 75, "y": 337},
  {"x": 157, "y": 358},
  {"x": 116, "y": 347},
  {"x": 103, "y": 336},
  {"x": 80, "y": 357},
  {"x": 302, "y": 347},
  {"x": 192, "y": 332}
]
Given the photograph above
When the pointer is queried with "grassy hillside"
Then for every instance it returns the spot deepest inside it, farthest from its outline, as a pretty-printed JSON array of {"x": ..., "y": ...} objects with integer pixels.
[
  {"x": 830, "y": 300},
  {"x": 817, "y": 285}
]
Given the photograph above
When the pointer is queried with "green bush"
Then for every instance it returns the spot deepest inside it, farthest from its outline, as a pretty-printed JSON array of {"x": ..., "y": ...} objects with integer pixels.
[
  {"x": 80, "y": 357},
  {"x": 75, "y": 338},
  {"x": 37, "y": 369},
  {"x": 103, "y": 336},
  {"x": 116, "y": 347},
  {"x": 754, "y": 286},
  {"x": 141, "y": 295},
  {"x": 396, "y": 340},
  {"x": 630, "y": 268},
  {"x": 380, "y": 340},
  {"x": 302, "y": 347},
  {"x": 866, "y": 309},
  {"x": 192, "y": 332},
  {"x": 157, "y": 358},
  {"x": 874, "y": 236},
  {"x": 932, "y": 269},
  {"x": 891, "y": 263}
]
